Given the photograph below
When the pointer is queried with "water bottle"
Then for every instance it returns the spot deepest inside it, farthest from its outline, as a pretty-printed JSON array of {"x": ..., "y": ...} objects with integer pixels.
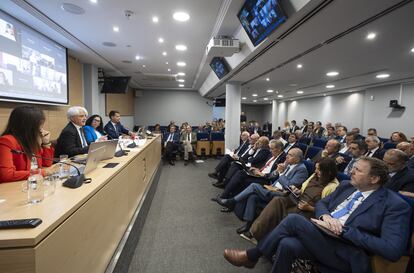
[{"x": 35, "y": 184}]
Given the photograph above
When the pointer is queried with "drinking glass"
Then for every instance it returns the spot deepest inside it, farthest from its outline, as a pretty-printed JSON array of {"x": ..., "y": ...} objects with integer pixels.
[
  {"x": 49, "y": 184},
  {"x": 64, "y": 168},
  {"x": 35, "y": 190}
]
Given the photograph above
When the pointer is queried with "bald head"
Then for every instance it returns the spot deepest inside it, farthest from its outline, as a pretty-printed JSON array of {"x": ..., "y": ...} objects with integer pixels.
[
  {"x": 406, "y": 147},
  {"x": 395, "y": 159},
  {"x": 244, "y": 136},
  {"x": 254, "y": 138}
]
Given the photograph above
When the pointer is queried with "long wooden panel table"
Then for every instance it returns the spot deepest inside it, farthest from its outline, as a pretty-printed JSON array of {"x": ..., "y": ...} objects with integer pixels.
[{"x": 81, "y": 227}]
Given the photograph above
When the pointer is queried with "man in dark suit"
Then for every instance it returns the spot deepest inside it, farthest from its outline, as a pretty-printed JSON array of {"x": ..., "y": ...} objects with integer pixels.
[
  {"x": 402, "y": 177},
  {"x": 362, "y": 218},
  {"x": 374, "y": 149},
  {"x": 245, "y": 145},
  {"x": 171, "y": 142},
  {"x": 292, "y": 143},
  {"x": 72, "y": 139},
  {"x": 114, "y": 128},
  {"x": 293, "y": 127},
  {"x": 407, "y": 148},
  {"x": 341, "y": 134},
  {"x": 305, "y": 126},
  {"x": 291, "y": 173},
  {"x": 331, "y": 150}
]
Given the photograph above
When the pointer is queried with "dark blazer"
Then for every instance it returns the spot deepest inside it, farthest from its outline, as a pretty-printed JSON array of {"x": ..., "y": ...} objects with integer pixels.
[
  {"x": 294, "y": 146},
  {"x": 304, "y": 129},
  {"x": 410, "y": 163},
  {"x": 175, "y": 139},
  {"x": 69, "y": 142},
  {"x": 318, "y": 156},
  {"x": 379, "y": 153},
  {"x": 242, "y": 148},
  {"x": 380, "y": 225},
  {"x": 293, "y": 129},
  {"x": 271, "y": 176},
  {"x": 112, "y": 133},
  {"x": 402, "y": 181},
  {"x": 258, "y": 160}
]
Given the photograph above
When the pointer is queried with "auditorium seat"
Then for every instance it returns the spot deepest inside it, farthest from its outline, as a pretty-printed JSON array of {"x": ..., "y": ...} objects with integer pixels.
[
  {"x": 312, "y": 151},
  {"x": 217, "y": 143},
  {"x": 203, "y": 144},
  {"x": 319, "y": 142},
  {"x": 303, "y": 147},
  {"x": 390, "y": 145}
]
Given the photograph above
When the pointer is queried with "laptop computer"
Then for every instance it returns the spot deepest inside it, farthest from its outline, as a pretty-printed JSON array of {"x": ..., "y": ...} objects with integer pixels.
[
  {"x": 109, "y": 147},
  {"x": 95, "y": 155}
]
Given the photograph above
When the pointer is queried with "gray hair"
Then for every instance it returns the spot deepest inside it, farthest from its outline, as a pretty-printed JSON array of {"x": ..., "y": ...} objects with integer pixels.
[
  {"x": 75, "y": 110},
  {"x": 373, "y": 138},
  {"x": 276, "y": 144}
]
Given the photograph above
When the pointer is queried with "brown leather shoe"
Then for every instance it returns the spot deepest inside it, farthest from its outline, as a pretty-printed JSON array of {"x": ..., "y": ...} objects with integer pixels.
[{"x": 238, "y": 258}]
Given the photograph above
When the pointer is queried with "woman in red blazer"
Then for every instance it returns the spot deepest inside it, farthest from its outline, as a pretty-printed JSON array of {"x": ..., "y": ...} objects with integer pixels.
[{"x": 24, "y": 132}]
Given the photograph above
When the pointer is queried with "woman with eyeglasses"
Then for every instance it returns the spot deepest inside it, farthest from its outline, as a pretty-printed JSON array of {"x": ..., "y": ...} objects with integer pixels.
[
  {"x": 25, "y": 141},
  {"x": 94, "y": 129}
]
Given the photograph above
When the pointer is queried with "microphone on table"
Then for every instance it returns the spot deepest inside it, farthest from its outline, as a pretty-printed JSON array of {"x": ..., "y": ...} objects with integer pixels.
[
  {"x": 72, "y": 182},
  {"x": 121, "y": 152}
]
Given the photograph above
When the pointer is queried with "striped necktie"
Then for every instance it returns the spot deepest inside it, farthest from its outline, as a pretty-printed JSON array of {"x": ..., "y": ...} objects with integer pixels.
[{"x": 345, "y": 210}]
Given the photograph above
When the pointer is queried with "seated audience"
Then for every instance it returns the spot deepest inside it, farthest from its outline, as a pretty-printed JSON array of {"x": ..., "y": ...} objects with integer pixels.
[
  {"x": 407, "y": 148},
  {"x": 345, "y": 146},
  {"x": 171, "y": 142},
  {"x": 341, "y": 134},
  {"x": 402, "y": 177},
  {"x": 286, "y": 128},
  {"x": 114, "y": 128},
  {"x": 293, "y": 127},
  {"x": 188, "y": 140},
  {"x": 25, "y": 133},
  {"x": 304, "y": 127},
  {"x": 374, "y": 149},
  {"x": 369, "y": 219},
  {"x": 372, "y": 132},
  {"x": 245, "y": 146},
  {"x": 292, "y": 143},
  {"x": 309, "y": 132},
  {"x": 319, "y": 185},
  {"x": 255, "y": 129},
  {"x": 330, "y": 133},
  {"x": 277, "y": 135},
  {"x": 331, "y": 150},
  {"x": 94, "y": 129},
  {"x": 356, "y": 149},
  {"x": 290, "y": 173},
  {"x": 72, "y": 139},
  {"x": 398, "y": 137},
  {"x": 318, "y": 130},
  {"x": 157, "y": 129},
  {"x": 264, "y": 175}
]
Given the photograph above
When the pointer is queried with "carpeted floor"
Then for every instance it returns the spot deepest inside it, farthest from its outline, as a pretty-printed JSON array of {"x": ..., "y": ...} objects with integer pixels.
[{"x": 184, "y": 230}]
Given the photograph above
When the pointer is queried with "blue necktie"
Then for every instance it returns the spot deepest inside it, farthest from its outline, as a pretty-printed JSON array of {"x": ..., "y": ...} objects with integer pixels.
[
  {"x": 345, "y": 210},
  {"x": 348, "y": 169}
]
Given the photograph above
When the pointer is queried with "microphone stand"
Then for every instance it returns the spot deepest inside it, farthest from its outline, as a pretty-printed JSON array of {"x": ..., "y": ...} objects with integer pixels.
[
  {"x": 73, "y": 181},
  {"x": 121, "y": 152}
]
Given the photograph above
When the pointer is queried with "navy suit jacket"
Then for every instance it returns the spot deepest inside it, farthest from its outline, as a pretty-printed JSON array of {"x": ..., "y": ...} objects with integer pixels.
[
  {"x": 242, "y": 148},
  {"x": 175, "y": 139},
  {"x": 380, "y": 225},
  {"x": 402, "y": 180},
  {"x": 110, "y": 130},
  {"x": 260, "y": 158},
  {"x": 69, "y": 142}
]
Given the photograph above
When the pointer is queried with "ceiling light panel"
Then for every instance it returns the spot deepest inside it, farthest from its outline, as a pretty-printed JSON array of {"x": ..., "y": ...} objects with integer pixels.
[
  {"x": 181, "y": 47},
  {"x": 181, "y": 16}
]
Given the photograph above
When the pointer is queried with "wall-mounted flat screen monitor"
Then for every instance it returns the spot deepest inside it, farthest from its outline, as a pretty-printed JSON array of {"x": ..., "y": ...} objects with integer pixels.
[
  {"x": 115, "y": 85},
  {"x": 33, "y": 68},
  {"x": 260, "y": 17},
  {"x": 219, "y": 66}
]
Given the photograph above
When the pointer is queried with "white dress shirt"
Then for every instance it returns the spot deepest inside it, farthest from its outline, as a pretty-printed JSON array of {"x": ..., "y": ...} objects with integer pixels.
[{"x": 358, "y": 202}]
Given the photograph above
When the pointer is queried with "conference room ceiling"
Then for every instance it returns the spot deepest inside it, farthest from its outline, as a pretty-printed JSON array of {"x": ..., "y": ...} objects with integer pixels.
[{"x": 357, "y": 59}]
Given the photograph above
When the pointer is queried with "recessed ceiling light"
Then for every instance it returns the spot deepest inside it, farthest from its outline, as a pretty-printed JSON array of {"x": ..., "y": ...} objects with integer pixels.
[
  {"x": 269, "y": 91},
  {"x": 299, "y": 66},
  {"x": 169, "y": 69},
  {"x": 330, "y": 86},
  {"x": 137, "y": 57},
  {"x": 181, "y": 63},
  {"x": 164, "y": 53},
  {"x": 412, "y": 50},
  {"x": 93, "y": 1},
  {"x": 181, "y": 85},
  {"x": 280, "y": 96},
  {"x": 382, "y": 76},
  {"x": 267, "y": 79},
  {"x": 324, "y": 95},
  {"x": 332, "y": 74},
  {"x": 254, "y": 95},
  {"x": 155, "y": 19},
  {"x": 181, "y": 47},
  {"x": 166, "y": 62},
  {"x": 115, "y": 28},
  {"x": 180, "y": 74},
  {"x": 144, "y": 65},
  {"x": 180, "y": 80},
  {"x": 299, "y": 92},
  {"x": 181, "y": 16},
  {"x": 254, "y": 100},
  {"x": 244, "y": 98},
  {"x": 371, "y": 36},
  {"x": 160, "y": 40},
  {"x": 71, "y": 8},
  {"x": 265, "y": 99}
]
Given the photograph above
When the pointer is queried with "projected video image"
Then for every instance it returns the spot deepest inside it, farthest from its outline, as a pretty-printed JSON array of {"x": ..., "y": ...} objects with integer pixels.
[
  {"x": 260, "y": 17},
  {"x": 32, "y": 67},
  {"x": 219, "y": 67}
]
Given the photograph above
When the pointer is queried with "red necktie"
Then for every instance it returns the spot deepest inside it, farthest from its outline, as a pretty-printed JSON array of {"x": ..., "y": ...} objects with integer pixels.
[{"x": 267, "y": 164}]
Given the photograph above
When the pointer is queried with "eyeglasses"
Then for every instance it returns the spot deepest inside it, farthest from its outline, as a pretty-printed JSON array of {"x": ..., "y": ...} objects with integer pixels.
[{"x": 97, "y": 120}]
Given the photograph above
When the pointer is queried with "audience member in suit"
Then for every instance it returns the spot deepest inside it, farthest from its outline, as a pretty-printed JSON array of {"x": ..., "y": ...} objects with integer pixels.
[
  {"x": 171, "y": 142},
  {"x": 293, "y": 127},
  {"x": 357, "y": 148},
  {"x": 402, "y": 177},
  {"x": 256, "y": 129},
  {"x": 242, "y": 152},
  {"x": 330, "y": 133},
  {"x": 94, "y": 129},
  {"x": 188, "y": 140},
  {"x": 407, "y": 148},
  {"x": 114, "y": 128},
  {"x": 318, "y": 130},
  {"x": 319, "y": 185},
  {"x": 277, "y": 135},
  {"x": 257, "y": 159},
  {"x": 243, "y": 117},
  {"x": 157, "y": 129},
  {"x": 24, "y": 132},
  {"x": 292, "y": 143},
  {"x": 304, "y": 128},
  {"x": 357, "y": 135},
  {"x": 264, "y": 175},
  {"x": 72, "y": 139},
  {"x": 398, "y": 137},
  {"x": 345, "y": 146},
  {"x": 371, "y": 219},
  {"x": 290, "y": 173},
  {"x": 372, "y": 132},
  {"x": 331, "y": 151},
  {"x": 309, "y": 132},
  {"x": 341, "y": 134},
  {"x": 374, "y": 149}
]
